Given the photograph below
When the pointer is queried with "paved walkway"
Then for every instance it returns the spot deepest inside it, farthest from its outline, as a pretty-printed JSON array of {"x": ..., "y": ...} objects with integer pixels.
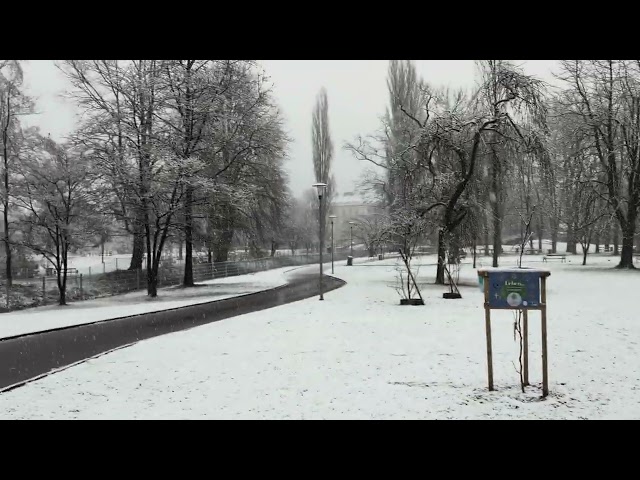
[
  {"x": 89, "y": 311},
  {"x": 33, "y": 355}
]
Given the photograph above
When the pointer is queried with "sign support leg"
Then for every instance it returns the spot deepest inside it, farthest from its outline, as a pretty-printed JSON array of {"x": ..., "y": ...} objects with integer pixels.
[
  {"x": 487, "y": 321},
  {"x": 525, "y": 349},
  {"x": 543, "y": 311}
]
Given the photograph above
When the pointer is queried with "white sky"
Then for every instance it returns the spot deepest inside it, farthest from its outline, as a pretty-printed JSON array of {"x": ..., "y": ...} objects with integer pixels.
[{"x": 357, "y": 98}]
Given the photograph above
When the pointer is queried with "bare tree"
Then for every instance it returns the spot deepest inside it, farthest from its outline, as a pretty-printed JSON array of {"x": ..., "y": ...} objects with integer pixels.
[
  {"x": 307, "y": 218},
  {"x": 196, "y": 97},
  {"x": 322, "y": 148},
  {"x": 517, "y": 102},
  {"x": 586, "y": 199},
  {"x": 13, "y": 103},
  {"x": 245, "y": 153},
  {"x": 605, "y": 96},
  {"x": 120, "y": 105},
  {"x": 400, "y": 179},
  {"x": 373, "y": 231},
  {"x": 444, "y": 135},
  {"x": 56, "y": 203}
]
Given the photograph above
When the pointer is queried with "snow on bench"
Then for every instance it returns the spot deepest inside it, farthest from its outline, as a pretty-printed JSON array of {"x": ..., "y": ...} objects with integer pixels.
[{"x": 557, "y": 256}]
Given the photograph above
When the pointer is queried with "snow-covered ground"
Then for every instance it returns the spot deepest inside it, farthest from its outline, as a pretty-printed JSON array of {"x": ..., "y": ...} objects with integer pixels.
[
  {"x": 359, "y": 354},
  {"x": 54, "y": 316}
]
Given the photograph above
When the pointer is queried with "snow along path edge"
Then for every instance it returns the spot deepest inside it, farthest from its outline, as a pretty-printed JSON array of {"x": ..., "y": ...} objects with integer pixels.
[
  {"x": 66, "y": 327},
  {"x": 44, "y": 318},
  {"x": 48, "y": 351},
  {"x": 21, "y": 383}
]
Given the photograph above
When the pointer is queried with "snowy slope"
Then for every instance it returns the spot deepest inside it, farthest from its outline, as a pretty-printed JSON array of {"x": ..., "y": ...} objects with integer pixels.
[{"x": 359, "y": 354}]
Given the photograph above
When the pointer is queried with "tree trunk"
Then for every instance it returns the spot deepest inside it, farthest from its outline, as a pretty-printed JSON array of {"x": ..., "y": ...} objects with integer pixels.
[
  {"x": 441, "y": 258},
  {"x": 7, "y": 243},
  {"x": 274, "y": 247},
  {"x": 223, "y": 246},
  {"x": 138, "y": 250},
  {"x": 62, "y": 283},
  {"x": 63, "y": 295},
  {"x": 474, "y": 254},
  {"x": 152, "y": 282},
  {"x": 540, "y": 231},
  {"x": 496, "y": 185},
  {"x": 188, "y": 237},
  {"x": 497, "y": 237},
  {"x": 626, "y": 257},
  {"x": 209, "y": 255},
  {"x": 180, "y": 249},
  {"x": 571, "y": 239},
  {"x": 255, "y": 250},
  {"x": 154, "y": 266},
  {"x": 5, "y": 154},
  {"x": 454, "y": 251},
  {"x": 152, "y": 286},
  {"x": 554, "y": 234},
  {"x": 585, "y": 251},
  {"x": 616, "y": 240},
  {"x": 486, "y": 240},
  {"x": 408, "y": 281}
]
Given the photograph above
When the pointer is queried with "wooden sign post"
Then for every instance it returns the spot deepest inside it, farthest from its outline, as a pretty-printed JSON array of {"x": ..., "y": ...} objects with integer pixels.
[{"x": 516, "y": 289}]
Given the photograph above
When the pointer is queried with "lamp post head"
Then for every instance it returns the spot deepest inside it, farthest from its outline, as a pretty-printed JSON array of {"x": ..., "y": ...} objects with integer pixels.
[
  {"x": 332, "y": 217},
  {"x": 320, "y": 186}
]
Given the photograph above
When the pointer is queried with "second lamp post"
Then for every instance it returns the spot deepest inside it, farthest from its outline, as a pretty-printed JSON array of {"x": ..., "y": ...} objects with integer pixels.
[
  {"x": 352, "y": 224},
  {"x": 333, "y": 244},
  {"x": 320, "y": 186}
]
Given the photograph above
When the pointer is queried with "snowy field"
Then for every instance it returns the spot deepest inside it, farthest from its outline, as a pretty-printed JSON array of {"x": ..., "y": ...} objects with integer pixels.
[
  {"x": 359, "y": 355},
  {"x": 88, "y": 311}
]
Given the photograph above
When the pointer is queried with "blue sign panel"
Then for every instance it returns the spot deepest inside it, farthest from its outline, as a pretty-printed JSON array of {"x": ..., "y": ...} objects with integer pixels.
[{"x": 514, "y": 289}]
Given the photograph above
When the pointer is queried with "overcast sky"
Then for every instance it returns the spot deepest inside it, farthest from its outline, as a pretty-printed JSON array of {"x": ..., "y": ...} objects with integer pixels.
[{"x": 357, "y": 98}]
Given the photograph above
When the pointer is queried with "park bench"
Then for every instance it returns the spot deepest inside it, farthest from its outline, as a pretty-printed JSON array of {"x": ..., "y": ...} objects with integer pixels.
[{"x": 556, "y": 256}]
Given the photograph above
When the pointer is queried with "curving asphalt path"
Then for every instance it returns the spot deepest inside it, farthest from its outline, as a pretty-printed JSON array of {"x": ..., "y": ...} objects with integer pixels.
[{"x": 25, "y": 357}]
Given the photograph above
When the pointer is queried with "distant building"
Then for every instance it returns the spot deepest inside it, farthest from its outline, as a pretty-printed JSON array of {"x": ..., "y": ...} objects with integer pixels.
[{"x": 350, "y": 207}]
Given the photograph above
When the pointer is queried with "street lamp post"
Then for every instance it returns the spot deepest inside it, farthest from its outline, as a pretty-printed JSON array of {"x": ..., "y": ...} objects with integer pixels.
[
  {"x": 333, "y": 244},
  {"x": 352, "y": 224},
  {"x": 320, "y": 186}
]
